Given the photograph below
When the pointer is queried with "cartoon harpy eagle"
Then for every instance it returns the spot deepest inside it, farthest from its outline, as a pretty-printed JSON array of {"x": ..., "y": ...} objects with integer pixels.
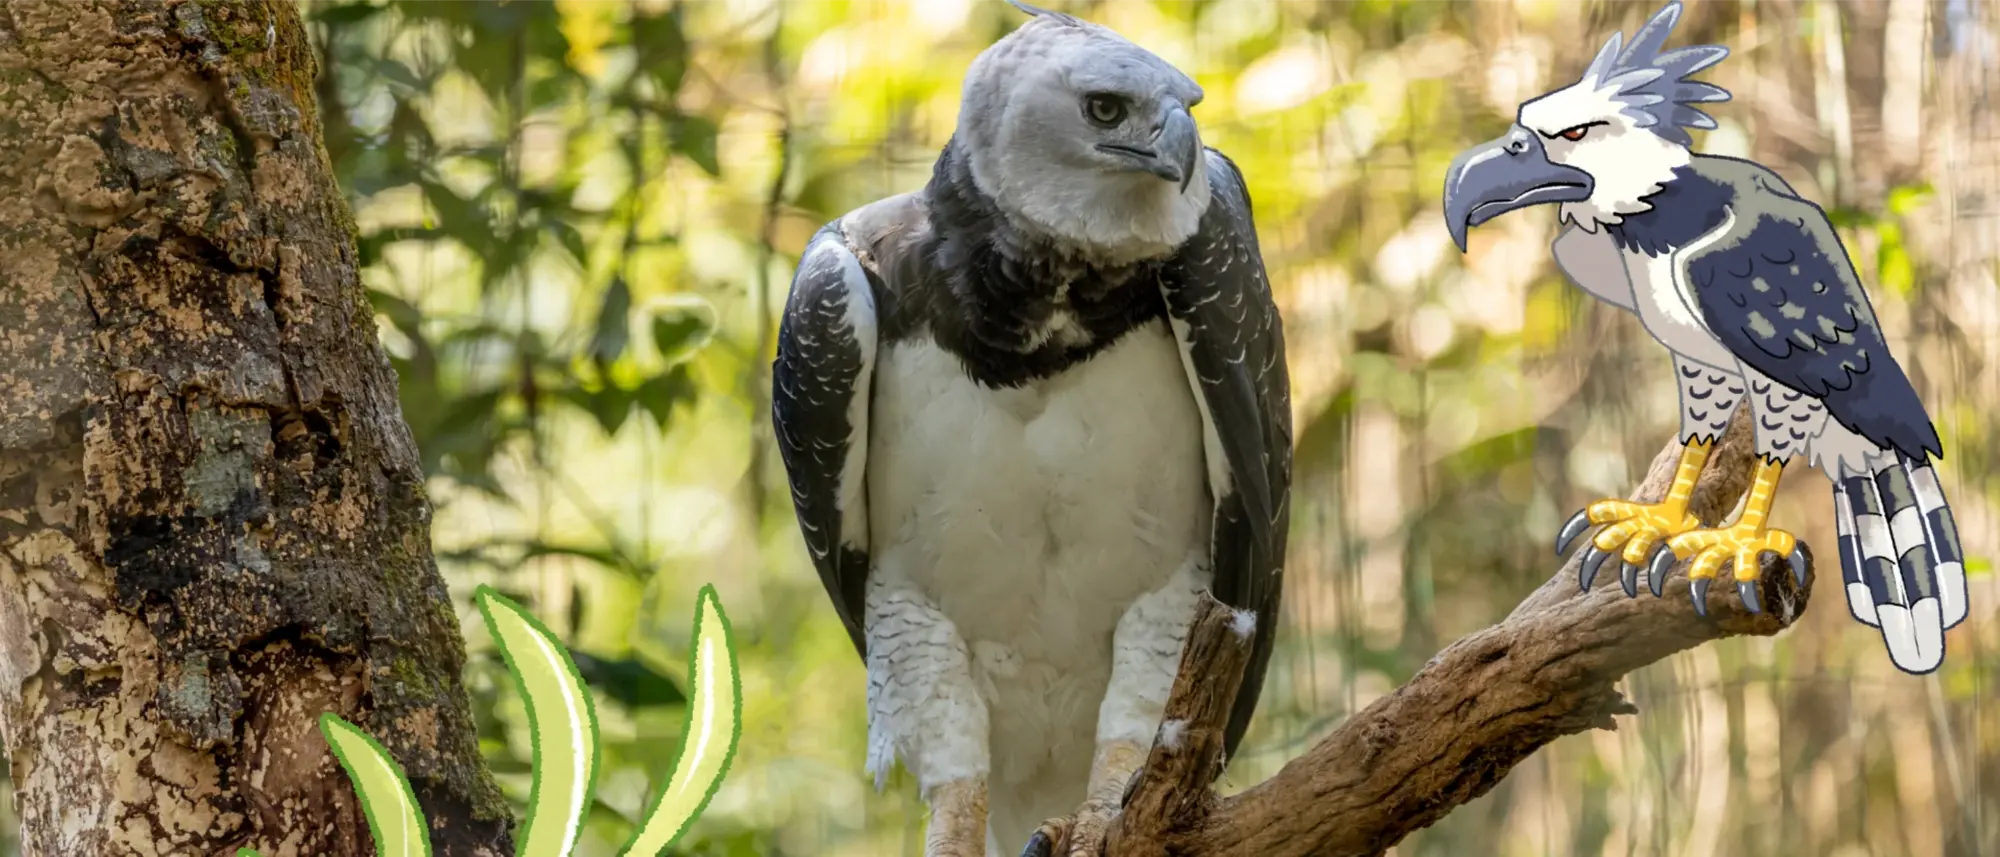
[
  {"x": 1029, "y": 413},
  {"x": 1748, "y": 285}
]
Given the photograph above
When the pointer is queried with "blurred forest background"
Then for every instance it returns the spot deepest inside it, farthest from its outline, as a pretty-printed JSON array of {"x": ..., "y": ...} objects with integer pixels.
[{"x": 579, "y": 220}]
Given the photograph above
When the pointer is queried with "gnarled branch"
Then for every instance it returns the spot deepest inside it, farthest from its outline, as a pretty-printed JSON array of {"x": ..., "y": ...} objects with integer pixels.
[{"x": 1459, "y": 725}]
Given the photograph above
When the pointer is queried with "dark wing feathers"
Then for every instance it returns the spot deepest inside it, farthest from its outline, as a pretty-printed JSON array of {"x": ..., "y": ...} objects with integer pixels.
[
  {"x": 1779, "y": 291},
  {"x": 1220, "y": 302},
  {"x": 826, "y": 348}
]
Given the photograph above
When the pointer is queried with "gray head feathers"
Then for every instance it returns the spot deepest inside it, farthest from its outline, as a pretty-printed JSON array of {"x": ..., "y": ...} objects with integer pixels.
[
  {"x": 1039, "y": 12},
  {"x": 1652, "y": 86}
]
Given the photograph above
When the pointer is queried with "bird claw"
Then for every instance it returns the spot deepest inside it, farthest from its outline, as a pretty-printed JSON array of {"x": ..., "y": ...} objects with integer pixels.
[
  {"x": 1698, "y": 587},
  {"x": 1593, "y": 559},
  {"x": 1628, "y": 577},
  {"x": 1570, "y": 530},
  {"x": 1656, "y": 571},
  {"x": 1040, "y": 844},
  {"x": 1079, "y": 835},
  {"x": 1743, "y": 546}
]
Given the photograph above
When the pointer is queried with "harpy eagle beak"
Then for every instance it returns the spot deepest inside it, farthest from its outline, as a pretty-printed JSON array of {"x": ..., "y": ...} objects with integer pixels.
[
  {"x": 1504, "y": 174},
  {"x": 1175, "y": 152}
]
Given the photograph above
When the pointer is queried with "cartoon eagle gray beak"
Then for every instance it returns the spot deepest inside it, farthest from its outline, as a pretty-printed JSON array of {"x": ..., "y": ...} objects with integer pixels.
[{"x": 1500, "y": 175}]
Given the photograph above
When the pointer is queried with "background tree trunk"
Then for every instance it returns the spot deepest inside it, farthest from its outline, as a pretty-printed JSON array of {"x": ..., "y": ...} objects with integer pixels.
[{"x": 213, "y": 524}]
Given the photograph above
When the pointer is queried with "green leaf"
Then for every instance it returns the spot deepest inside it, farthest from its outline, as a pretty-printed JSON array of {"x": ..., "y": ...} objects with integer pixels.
[
  {"x": 610, "y": 405},
  {"x": 607, "y": 557},
  {"x": 1906, "y": 199},
  {"x": 682, "y": 326},
  {"x": 386, "y": 799},
  {"x": 628, "y": 681},
  {"x": 1492, "y": 454},
  {"x": 571, "y": 241},
  {"x": 459, "y": 218},
  {"x": 662, "y": 51},
  {"x": 343, "y": 14},
  {"x": 401, "y": 313},
  {"x": 396, "y": 72},
  {"x": 715, "y": 724},
  {"x": 614, "y": 324},
  {"x": 560, "y": 719},
  {"x": 660, "y": 393},
  {"x": 694, "y": 136}
]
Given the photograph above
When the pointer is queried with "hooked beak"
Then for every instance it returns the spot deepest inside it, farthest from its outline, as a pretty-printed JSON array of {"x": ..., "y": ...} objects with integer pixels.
[
  {"x": 1175, "y": 151},
  {"x": 1501, "y": 175}
]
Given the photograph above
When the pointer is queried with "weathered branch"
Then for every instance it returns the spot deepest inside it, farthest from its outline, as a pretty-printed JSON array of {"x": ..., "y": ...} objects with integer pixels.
[
  {"x": 1476, "y": 710},
  {"x": 1187, "y": 757}
]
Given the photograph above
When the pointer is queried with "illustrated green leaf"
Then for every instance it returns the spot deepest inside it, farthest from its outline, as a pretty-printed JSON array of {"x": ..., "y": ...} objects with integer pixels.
[
  {"x": 393, "y": 815},
  {"x": 715, "y": 723},
  {"x": 561, "y": 721}
]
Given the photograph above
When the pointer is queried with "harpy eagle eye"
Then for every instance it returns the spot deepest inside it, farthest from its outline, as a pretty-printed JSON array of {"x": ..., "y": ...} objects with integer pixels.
[
  {"x": 1104, "y": 109},
  {"x": 1577, "y": 132}
]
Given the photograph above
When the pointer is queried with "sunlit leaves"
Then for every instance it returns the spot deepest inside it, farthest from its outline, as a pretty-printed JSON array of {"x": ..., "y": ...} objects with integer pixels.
[
  {"x": 628, "y": 680},
  {"x": 681, "y": 325},
  {"x": 345, "y": 14},
  {"x": 614, "y": 324},
  {"x": 694, "y": 136},
  {"x": 662, "y": 51}
]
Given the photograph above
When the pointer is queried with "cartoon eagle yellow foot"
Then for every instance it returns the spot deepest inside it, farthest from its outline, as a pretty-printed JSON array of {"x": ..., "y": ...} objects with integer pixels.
[
  {"x": 1743, "y": 542},
  {"x": 1637, "y": 532}
]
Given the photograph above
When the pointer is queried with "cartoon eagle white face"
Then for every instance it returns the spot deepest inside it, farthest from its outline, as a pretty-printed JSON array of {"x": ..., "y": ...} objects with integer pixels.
[{"x": 1599, "y": 146}]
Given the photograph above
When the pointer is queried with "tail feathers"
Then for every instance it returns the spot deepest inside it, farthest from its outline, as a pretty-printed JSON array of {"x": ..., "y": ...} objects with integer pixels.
[
  {"x": 1941, "y": 534},
  {"x": 1900, "y": 559}
]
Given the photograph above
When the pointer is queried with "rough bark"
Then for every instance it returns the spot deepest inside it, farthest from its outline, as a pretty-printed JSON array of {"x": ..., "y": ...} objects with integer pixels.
[
  {"x": 1469, "y": 716},
  {"x": 213, "y": 524}
]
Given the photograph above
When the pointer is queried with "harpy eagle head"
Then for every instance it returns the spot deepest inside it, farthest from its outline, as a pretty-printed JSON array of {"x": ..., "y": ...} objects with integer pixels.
[
  {"x": 1599, "y": 146},
  {"x": 1084, "y": 137}
]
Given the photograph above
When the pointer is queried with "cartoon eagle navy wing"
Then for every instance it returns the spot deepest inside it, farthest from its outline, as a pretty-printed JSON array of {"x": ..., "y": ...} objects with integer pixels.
[{"x": 1778, "y": 289}]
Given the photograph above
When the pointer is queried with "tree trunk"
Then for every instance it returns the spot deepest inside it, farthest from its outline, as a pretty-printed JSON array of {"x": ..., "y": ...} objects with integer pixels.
[{"x": 213, "y": 525}]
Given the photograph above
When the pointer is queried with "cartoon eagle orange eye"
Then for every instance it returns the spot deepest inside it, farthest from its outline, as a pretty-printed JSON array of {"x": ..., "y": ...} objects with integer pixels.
[{"x": 1574, "y": 134}]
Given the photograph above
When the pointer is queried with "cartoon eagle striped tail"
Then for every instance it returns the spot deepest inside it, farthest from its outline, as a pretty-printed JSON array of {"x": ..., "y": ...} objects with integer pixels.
[{"x": 1900, "y": 558}]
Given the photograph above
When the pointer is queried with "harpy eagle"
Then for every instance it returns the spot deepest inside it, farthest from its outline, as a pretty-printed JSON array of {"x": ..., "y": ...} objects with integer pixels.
[
  {"x": 1029, "y": 414},
  {"x": 1747, "y": 283}
]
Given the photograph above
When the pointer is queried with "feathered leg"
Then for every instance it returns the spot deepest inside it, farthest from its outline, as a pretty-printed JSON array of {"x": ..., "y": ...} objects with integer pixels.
[
  {"x": 1785, "y": 421},
  {"x": 924, "y": 707},
  {"x": 1146, "y": 653}
]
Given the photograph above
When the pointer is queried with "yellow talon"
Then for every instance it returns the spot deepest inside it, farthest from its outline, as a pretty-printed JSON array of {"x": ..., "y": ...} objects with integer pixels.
[
  {"x": 1606, "y": 511},
  {"x": 1640, "y": 547},
  {"x": 1632, "y": 530},
  {"x": 1741, "y": 543},
  {"x": 1706, "y": 564},
  {"x": 1609, "y": 538}
]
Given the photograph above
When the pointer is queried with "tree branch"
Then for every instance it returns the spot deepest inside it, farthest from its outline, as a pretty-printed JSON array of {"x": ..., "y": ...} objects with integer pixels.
[{"x": 1469, "y": 716}]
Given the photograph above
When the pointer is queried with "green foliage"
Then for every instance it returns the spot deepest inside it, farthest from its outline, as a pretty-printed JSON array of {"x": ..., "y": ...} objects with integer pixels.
[{"x": 497, "y": 169}]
